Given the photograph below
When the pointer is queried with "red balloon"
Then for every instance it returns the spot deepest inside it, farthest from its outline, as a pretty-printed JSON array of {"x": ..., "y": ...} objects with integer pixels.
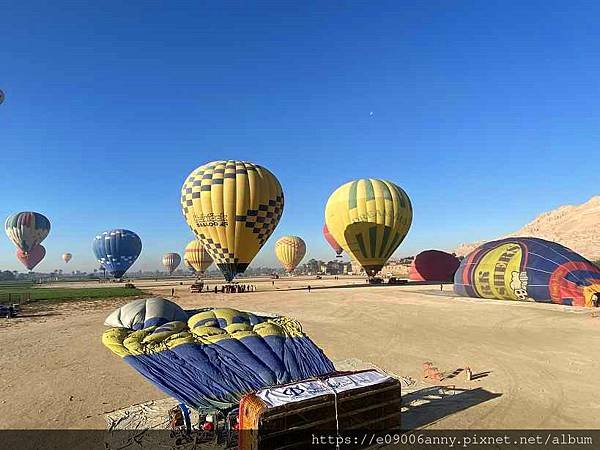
[
  {"x": 329, "y": 238},
  {"x": 433, "y": 265},
  {"x": 33, "y": 257}
]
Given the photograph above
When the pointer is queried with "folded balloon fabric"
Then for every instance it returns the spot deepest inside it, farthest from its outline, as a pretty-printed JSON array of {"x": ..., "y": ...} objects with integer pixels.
[{"x": 217, "y": 356}]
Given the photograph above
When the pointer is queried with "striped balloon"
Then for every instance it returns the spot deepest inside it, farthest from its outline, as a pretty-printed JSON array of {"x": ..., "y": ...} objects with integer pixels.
[
  {"x": 117, "y": 250},
  {"x": 289, "y": 251},
  {"x": 197, "y": 257},
  {"x": 369, "y": 219},
  {"x": 332, "y": 242},
  {"x": 27, "y": 229},
  {"x": 67, "y": 257},
  {"x": 171, "y": 262}
]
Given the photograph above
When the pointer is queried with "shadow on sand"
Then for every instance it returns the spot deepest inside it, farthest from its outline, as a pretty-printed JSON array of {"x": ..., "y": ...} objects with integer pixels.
[{"x": 428, "y": 405}]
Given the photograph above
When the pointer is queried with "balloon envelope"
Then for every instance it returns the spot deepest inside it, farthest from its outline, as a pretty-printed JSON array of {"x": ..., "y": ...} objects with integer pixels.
[
  {"x": 433, "y": 265},
  {"x": 144, "y": 313},
  {"x": 31, "y": 258},
  {"x": 232, "y": 207},
  {"x": 197, "y": 257},
  {"x": 369, "y": 218},
  {"x": 289, "y": 251},
  {"x": 116, "y": 250},
  {"x": 67, "y": 257},
  {"x": 531, "y": 269},
  {"x": 331, "y": 241},
  {"x": 171, "y": 261},
  {"x": 217, "y": 356},
  {"x": 27, "y": 229}
]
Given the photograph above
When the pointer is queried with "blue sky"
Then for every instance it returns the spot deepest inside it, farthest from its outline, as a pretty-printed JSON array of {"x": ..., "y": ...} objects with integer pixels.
[{"x": 486, "y": 113}]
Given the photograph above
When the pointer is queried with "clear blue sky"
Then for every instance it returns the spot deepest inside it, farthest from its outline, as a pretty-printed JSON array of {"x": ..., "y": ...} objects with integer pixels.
[{"x": 485, "y": 112}]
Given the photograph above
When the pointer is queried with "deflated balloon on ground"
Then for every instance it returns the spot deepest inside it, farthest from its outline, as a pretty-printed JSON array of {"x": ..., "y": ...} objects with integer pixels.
[
  {"x": 530, "y": 269},
  {"x": 210, "y": 359},
  {"x": 433, "y": 265}
]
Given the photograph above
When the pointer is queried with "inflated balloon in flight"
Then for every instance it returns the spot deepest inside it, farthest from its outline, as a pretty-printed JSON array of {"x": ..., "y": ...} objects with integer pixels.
[
  {"x": 289, "y": 251},
  {"x": 213, "y": 358},
  {"x": 232, "y": 207},
  {"x": 67, "y": 257},
  {"x": 369, "y": 218},
  {"x": 197, "y": 257},
  {"x": 529, "y": 269},
  {"x": 27, "y": 229},
  {"x": 171, "y": 261},
  {"x": 116, "y": 250},
  {"x": 1, "y": 96},
  {"x": 33, "y": 257},
  {"x": 332, "y": 242}
]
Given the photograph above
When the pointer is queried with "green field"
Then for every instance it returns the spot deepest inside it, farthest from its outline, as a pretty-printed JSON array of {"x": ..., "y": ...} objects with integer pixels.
[{"x": 40, "y": 294}]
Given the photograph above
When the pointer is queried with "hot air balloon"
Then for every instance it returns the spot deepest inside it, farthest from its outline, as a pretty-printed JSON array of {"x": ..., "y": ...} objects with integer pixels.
[
  {"x": 171, "y": 261},
  {"x": 369, "y": 218},
  {"x": 27, "y": 229},
  {"x": 1, "y": 96},
  {"x": 197, "y": 257},
  {"x": 232, "y": 207},
  {"x": 433, "y": 265},
  {"x": 530, "y": 269},
  {"x": 331, "y": 241},
  {"x": 67, "y": 257},
  {"x": 117, "y": 250},
  {"x": 33, "y": 257},
  {"x": 289, "y": 251},
  {"x": 213, "y": 358}
]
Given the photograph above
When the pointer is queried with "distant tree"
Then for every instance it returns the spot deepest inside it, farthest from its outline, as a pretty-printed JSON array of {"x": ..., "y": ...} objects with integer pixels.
[{"x": 7, "y": 275}]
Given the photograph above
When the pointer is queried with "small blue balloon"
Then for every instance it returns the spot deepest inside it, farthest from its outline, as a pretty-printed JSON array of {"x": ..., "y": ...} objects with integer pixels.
[{"x": 117, "y": 250}]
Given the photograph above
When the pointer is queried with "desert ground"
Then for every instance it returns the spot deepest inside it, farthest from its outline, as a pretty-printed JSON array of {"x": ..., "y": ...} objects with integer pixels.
[{"x": 536, "y": 365}]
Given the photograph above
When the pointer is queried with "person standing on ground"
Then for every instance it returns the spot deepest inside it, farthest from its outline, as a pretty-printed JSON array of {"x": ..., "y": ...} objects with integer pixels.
[
  {"x": 309, "y": 288},
  {"x": 172, "y": 292}
]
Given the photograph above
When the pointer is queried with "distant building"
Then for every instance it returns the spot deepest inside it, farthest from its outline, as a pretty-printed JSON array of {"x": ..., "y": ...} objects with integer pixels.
[
  {"x": 397, "y": 267},
  {"x": 356, "y": 267}
]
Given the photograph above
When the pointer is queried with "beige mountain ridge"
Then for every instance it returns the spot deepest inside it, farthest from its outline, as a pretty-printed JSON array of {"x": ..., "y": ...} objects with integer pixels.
[{"x": 574, "y": 226}]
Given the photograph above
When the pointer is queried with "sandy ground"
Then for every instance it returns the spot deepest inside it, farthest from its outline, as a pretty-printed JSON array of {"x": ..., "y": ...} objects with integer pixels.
[{"x": 538, "y": 365}]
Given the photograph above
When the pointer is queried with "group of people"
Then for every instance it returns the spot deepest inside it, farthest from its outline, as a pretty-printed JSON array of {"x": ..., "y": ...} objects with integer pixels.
[{"x": 235, "y": 288}]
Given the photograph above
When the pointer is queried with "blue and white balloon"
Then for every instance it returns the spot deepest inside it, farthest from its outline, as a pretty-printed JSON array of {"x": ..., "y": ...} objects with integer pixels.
[{"x": 117, "y": 250}]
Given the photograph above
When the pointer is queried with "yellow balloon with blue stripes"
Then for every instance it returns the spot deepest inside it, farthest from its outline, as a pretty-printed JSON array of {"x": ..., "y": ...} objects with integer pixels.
[
  {"x": 232, "y": 207},
  {"x": 369, "y": 218}
]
